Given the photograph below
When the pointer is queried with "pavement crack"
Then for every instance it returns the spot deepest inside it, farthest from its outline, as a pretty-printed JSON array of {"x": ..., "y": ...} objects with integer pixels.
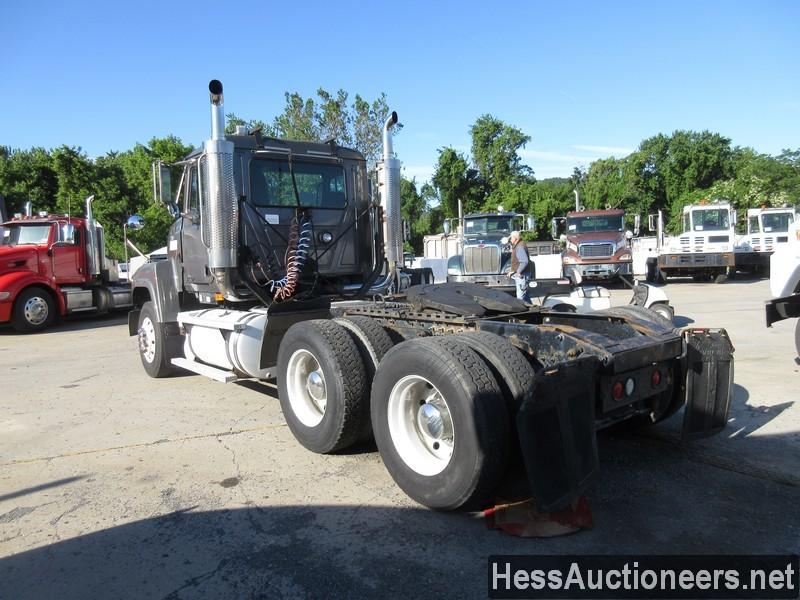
[
  {"x": 201, "y": 436},
  {"x": 57, "y": 520}
]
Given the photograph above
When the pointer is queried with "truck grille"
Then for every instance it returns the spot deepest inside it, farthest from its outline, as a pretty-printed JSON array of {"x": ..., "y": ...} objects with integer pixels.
[
  {"x": 484, "y": 259},
  {"x": 763, "y": 244},
  {"x": 601, "y": 250},
  {"x": 692, "y": 245}
]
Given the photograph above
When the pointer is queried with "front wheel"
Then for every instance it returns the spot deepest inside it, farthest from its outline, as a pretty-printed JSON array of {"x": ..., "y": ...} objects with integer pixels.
[
  {"x": 34, "y": 310},
  {"x": 153, "y": 343},
  {"x": 440, "y": 422}
]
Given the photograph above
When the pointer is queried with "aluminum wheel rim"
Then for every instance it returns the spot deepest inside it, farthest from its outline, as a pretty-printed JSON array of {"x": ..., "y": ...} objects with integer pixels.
[
  {"x": 421, "y": 425},
  {"x": 306, "y": 388},
  {"x": 36, "y": 310},
  {"x": 147, "y": 340}
]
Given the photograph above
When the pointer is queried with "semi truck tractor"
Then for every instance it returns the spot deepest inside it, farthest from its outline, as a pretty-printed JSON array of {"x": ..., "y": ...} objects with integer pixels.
[
  {"x": 703, "y": 250},
  {"x": 597, "y": 245},
  {"x": 767, "y": 230},
  {"x": 284, "y": 263},
  {"x": 784, "y": 282},
  {"x": 484, "y": 254},
  {"x": 55, "y": 265}
]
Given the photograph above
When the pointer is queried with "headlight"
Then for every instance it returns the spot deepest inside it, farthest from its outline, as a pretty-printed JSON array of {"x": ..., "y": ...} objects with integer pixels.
[
  {"x": 5, "y": 295},
  {"x": 569, "y": 260},
  {"x": 625, "y": 257}
]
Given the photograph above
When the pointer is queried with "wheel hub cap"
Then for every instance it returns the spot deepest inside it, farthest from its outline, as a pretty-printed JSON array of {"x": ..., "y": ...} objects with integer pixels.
[
  {"x": 316, "y": 386},
  {"x": 36, "y": 311},
  {"x": 429, "y": 420}
]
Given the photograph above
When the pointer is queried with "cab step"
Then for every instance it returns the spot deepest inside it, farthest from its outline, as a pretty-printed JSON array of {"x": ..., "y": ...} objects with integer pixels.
[{"x": 214, "y": 373}]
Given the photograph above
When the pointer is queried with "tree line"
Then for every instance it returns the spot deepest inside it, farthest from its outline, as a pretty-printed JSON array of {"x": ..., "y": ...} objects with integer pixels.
[{"x": 665, "y": 172}]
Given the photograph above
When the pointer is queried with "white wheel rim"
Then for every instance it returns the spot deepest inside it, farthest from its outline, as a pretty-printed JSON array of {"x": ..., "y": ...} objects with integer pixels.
[
  {"x": 421, "y": 425},
  {"x": 306, "y": 388},
  {"x": 147, "y": 340},
  {"x": 36, "y": 310}
]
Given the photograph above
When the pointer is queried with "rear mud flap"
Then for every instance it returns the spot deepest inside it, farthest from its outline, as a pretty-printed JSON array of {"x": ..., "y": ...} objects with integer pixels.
[
  {"x": 557, "y": 434},
  {"x": 709, "y": 382}
]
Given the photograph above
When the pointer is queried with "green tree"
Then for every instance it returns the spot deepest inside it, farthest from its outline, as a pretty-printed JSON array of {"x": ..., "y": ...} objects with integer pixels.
[
  {"x": 495, "y": 152},
  {"x": 454, "y": 181}
]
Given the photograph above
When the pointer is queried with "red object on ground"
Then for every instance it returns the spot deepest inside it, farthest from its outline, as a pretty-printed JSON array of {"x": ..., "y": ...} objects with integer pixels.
[{"x": 521, "y": 519}]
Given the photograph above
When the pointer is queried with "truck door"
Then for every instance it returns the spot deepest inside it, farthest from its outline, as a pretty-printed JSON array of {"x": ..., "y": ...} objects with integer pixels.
[
  {"x": 67, "y": 256},
  {"x": 194, "y": 252}
]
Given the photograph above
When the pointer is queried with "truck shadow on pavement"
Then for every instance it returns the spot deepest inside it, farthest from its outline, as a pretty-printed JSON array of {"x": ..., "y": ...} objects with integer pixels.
[{"x": 350, "y": 551}]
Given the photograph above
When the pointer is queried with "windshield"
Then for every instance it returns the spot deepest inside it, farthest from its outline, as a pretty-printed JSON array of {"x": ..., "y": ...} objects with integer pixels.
[
  {"x": 488, "y": 226},
  {"x": 594, "y": 223},
  {"x": 777, "y": 222},
  {"x": 318, "y": 185},
  {"x": 713, "y": 219},
  {"x": 17, "y": 235}
]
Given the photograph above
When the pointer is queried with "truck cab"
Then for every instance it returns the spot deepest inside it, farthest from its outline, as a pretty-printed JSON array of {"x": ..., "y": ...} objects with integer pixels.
[
  {"x": 767, "y": 229},
  {"x": 596, "y": 245},
  {"x": 484, "y": 252},
  {"x": 52, "y": 265},
  {"x": 705, "y": 247}
]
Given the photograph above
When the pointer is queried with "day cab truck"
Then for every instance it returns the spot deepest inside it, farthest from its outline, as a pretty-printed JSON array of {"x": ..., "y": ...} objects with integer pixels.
[
  {"x": 597, "y": 245},
  {"x": 284, "y": 263},
  {"x": 767, "y": 230},
  {"x": 55, "y": 265},
  {"x": 484, "y": 255},
  {"x": 703, "y": 250}
]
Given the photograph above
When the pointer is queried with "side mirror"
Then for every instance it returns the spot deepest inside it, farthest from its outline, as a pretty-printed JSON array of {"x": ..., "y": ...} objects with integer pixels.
[
  {"x": 162, "y": 183},
  {"x": 446, "y": 226},
  {"x": 629, "y": 235},
  {"x": 530, "y": 223},
  {"x": 652, "y": 222},
  {"x": 67, "y": 234},
  {"x": 637, "y": 224},
  {"x": 734, "y": 216},
  {"x": 554, "y": 229},
  {"x": 135, "y": 223}
]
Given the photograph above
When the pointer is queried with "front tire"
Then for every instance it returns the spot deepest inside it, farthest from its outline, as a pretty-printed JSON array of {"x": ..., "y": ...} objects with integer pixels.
[
  {"x": 322, "y": 385},
  {"x": 34, "y": 310},
  {"x": 152, "y": 343},
  {"x": 440, "y": 422}
]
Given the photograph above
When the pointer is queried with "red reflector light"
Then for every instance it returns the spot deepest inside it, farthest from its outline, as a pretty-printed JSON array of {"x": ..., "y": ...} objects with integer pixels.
[
  {"x": 617, "y": 390},
  {"x": 655, "y": 379}
]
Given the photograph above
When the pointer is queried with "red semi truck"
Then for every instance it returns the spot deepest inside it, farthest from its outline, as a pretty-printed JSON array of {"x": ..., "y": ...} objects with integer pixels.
[
  {"x": 596, "y": 244},
  {"x": 54, "y": 265}
]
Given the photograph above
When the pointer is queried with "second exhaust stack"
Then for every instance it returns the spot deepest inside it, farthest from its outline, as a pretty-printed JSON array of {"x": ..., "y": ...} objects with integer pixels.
[{"x": 389, "y": 178}]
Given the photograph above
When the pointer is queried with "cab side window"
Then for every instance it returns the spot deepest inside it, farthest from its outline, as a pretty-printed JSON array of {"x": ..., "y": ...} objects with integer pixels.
[{"x": 194, "y": 192}]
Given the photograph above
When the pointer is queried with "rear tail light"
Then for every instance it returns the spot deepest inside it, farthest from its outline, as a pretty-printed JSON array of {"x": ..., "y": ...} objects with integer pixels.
[
  {"x": 617, "y": 390},
  {"x": 655, "y": 378}
]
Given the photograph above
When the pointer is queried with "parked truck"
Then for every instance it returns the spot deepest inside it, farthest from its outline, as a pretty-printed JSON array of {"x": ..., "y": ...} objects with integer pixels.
[
  {"x": 705, "y": 248},
  {"x": 784, "y": 282},
  {"x": 282, "y": 265},
  {"x": 767, "y": 230},
  {"x": 484, "y": 251},
  {"x": 55, "y": 265},
  {"x": 597, "y": 245}
]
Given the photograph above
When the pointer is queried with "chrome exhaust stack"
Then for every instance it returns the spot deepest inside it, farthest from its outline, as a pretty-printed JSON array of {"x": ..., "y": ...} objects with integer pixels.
[
  {"x": 28, "y": 208},
  {"x": 92, "y": 239},
  {"x": 389, "y": 180},
  {"x": 222, "y": 210}
]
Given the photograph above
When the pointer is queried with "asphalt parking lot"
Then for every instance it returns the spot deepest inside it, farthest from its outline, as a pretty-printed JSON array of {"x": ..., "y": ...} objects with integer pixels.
[{"x": 116, "y": 485}]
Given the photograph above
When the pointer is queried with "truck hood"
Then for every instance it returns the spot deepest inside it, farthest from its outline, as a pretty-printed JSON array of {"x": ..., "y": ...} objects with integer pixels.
[
  {"x": 596, "y": 236},
  {"x": 18, "y": 258}
]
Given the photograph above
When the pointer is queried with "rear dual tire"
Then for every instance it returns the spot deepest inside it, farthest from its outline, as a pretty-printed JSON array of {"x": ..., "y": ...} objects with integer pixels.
[{"x": 440, "y": 422}]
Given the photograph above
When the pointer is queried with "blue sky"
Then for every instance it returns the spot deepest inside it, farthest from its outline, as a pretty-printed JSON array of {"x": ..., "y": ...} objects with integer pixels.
[{"x": 583, "y": 79}]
